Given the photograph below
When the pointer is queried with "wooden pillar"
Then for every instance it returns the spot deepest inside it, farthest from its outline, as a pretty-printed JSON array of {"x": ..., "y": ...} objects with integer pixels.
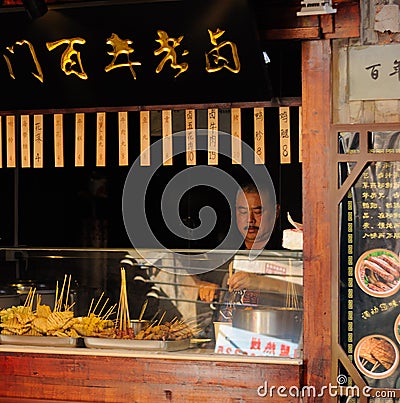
[{"x": 316, "y": 107}]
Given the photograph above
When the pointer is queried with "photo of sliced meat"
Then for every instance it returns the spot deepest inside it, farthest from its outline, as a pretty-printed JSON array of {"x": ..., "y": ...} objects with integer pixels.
[
  {"x": 376, "y": 356},
  {"x": 377, "y": 272}
]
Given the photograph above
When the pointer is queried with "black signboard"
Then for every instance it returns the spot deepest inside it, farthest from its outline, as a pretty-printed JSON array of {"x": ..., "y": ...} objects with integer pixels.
[
  {"x": 131, "y": 54},
  {"x": 370, "y": 264}
]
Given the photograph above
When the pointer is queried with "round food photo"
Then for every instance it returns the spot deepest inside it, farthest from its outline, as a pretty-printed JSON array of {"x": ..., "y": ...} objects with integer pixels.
[
  {"x": 396, "y": 328},
  {"x": 376, "y": 356},
  {"x": 377, "y": 272}
]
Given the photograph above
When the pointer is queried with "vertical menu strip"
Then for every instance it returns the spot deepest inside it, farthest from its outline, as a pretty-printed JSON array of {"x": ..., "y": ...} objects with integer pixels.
[
  {"x": 259, "y": 136},
  {"x": 284, "y": 134},
  {"x": 38, "y": 141},
  {"x": 10, "y": 129},
  {"x": 123, "y": 138},
  {"x": 212, "y": 124},
  {"x": 167, "y": 137},
  {"x": 101, "y": 140},
  {"x": 1, "y": 140},
  {"x": 190, "y": 123},
  {"x": 58, "y": 141},
  {"x": 25, "y": 142},
  {"x": 236, "y": 129},
  {"x": 145, "y": 138},
  {"x": 300, "y": 134},
  {"x": 79, "y": 139},
  {"x": 350, "y": 274}
]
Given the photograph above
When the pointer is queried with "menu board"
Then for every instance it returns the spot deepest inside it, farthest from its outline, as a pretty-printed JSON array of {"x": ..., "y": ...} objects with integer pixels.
[{"x": 370, "y": 264}]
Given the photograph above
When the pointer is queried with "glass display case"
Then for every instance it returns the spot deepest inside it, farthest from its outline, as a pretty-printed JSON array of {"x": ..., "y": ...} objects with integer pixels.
[{"x": 159, "y": 289}]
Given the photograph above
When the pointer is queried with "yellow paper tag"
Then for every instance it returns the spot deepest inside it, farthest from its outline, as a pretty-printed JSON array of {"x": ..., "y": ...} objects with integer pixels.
[
  {"x": 284, "y": 134},
  {"x": 10, "y": 129},
  {"x": 79, "y": 139},
  {"x": 101, "y": 140},
  {"x": 145, "y": 138},
  {"x": 236, "y": 129},
  {"x": 300, "y": 134},
  {"x": 190, "y": 121},
  {"x": 167, "y": 137},
  {"x": 38, "y": 141},
  {"x": 25, "y": 142},
  {"x": 212, "y": 136},
  {"x": 123, "y": 138},
  {"x": 58, "y": 140},
  {"x": 1, "y": 147},
  {"x": 259, "y": 135}
]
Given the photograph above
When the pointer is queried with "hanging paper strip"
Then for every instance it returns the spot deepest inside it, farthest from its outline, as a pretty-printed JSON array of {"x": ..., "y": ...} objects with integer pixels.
[
  {"x": 236, "y": 129},
  {"x": 284, "y": 134},
  {"x": 167, "y": 137},
  {"x": 58, "y": 140},
  {"x": 101, "y": 140},
  {"x": 1, "y": 148},
  {"x": 259, "y": 135},
  {"x": 25, "y": 142},
  {"x": 123, "y": 138},
  {"x": 300, "y": 134},
  {"x": 10, "y": 123},
  {"x": 190, "y": 121},
  {"x": 79, "y": 139},
  {"x": 213, "y": 136},
  {"x": 145, "y": 138},
  {"x": 38, "y": 141}
]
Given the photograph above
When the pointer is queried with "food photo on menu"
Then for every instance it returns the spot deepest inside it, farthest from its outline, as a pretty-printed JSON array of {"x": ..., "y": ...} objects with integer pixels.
[{"x": 376, "y": 303}]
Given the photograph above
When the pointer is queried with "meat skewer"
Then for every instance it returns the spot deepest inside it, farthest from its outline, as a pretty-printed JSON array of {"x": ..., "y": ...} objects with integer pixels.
[{"x": 385, "y": 265}]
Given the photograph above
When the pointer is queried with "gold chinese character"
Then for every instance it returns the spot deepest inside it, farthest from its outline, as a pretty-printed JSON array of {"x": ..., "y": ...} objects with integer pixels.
[
  {"x": 121, "y": 47},
  {"x": 168, "y": 46},
  {"x": 218, "y": 61},
  {"x": 67, "y": 59},
  {"x": 39, "y": 74}
]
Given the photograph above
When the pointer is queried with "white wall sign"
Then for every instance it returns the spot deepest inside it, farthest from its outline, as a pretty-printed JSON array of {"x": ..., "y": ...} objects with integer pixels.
[{"x": 374, "y": 72}]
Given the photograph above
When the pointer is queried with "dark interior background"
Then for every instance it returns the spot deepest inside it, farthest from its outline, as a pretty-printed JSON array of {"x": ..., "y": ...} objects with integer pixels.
[{"x": 82, "y": 206}]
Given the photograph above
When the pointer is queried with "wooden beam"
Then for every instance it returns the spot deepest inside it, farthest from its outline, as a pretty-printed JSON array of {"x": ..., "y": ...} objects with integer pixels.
[{"x": 316, "y": 96}]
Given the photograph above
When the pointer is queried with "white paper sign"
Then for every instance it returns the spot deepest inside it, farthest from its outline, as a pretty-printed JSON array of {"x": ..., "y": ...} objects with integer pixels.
[{"x": 231, "y": 340}]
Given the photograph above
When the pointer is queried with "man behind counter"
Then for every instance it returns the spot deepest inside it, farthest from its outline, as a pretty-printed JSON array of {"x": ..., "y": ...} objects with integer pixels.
[{"x": 254, "y": 221}]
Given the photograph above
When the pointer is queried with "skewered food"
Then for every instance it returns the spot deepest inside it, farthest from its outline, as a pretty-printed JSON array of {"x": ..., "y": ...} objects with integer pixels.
[
  {"x": 378, "y": 352},
  {"x": 378, "y": 272}
]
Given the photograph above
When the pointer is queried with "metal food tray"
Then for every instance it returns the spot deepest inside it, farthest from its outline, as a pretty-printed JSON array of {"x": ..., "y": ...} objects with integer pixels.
[
  {"x": 157, "y": 345},
  {"x": 43, "y": 341}
]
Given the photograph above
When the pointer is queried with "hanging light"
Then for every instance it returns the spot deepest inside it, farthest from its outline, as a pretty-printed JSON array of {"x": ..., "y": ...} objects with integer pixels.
[{"x": 35, "y": 8}]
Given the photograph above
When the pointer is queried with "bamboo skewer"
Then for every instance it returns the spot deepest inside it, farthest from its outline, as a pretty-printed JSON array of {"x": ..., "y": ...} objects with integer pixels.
[
  {"x": 143, "y": 309},
  {"x": 123, "y": 318}
]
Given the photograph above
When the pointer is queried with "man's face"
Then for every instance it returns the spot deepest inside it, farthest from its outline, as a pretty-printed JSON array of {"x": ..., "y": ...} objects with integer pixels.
[{"x": 253, "y": 221}]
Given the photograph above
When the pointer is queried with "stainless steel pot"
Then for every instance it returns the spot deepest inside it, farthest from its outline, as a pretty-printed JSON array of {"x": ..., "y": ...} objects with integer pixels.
[
  {"x": 280, "y": 322},
  {"x": 138, "y": 325}
]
